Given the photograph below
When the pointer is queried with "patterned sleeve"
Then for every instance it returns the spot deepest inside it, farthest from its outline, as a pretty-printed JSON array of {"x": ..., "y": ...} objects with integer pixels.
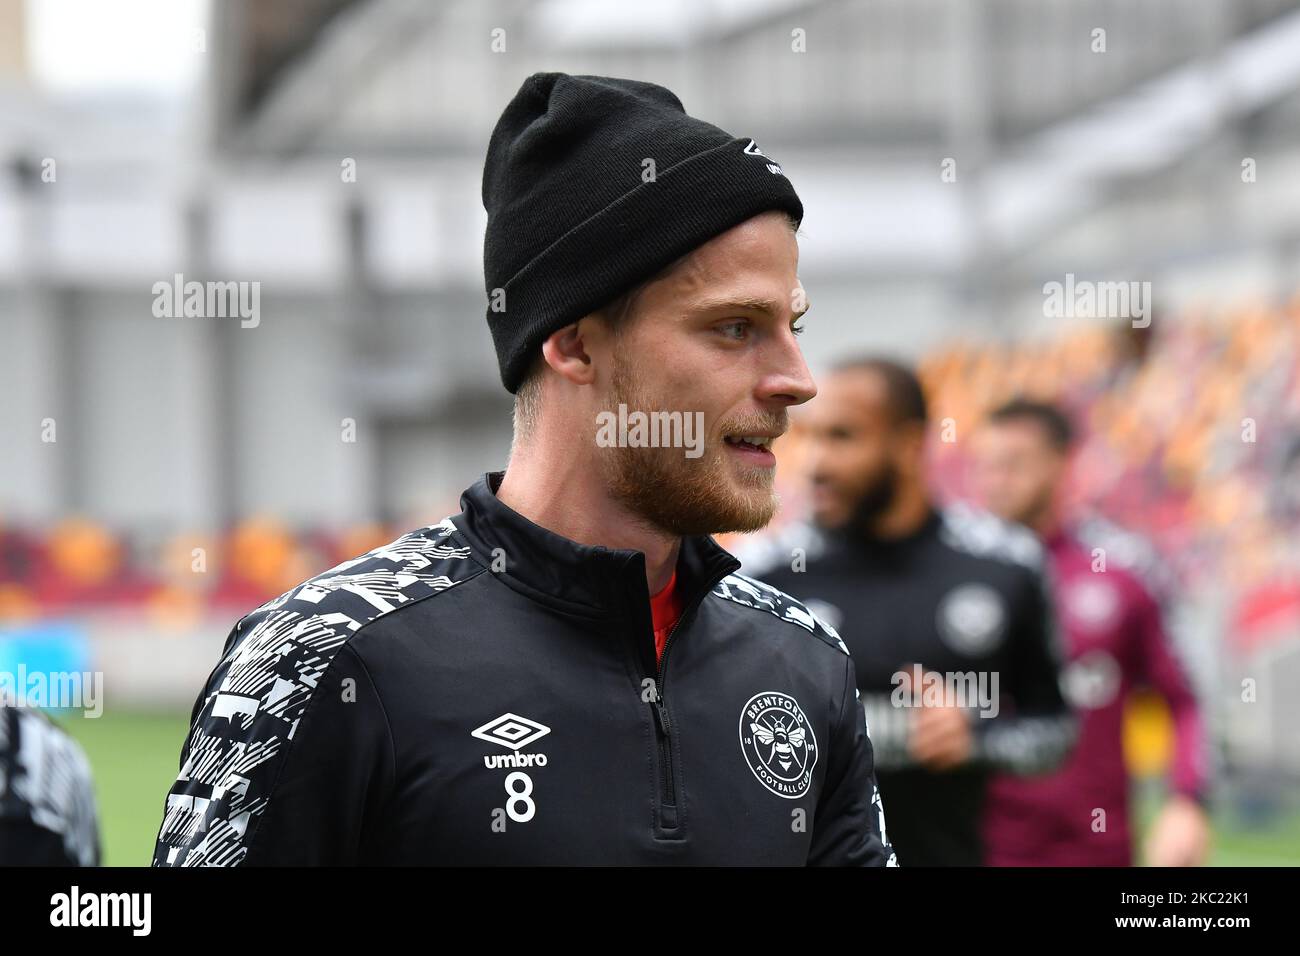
[
  {"x": 850, "y": 826},
  {"x": 279, "y": 769},
  {"x": 290, "y": 752}
]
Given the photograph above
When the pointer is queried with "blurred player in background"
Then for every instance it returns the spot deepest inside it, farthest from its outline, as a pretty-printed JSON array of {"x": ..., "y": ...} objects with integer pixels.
[
  {"x": 919, "y": 593},
  {"x": 47, "y": 799},
  {"x": 1079, "y": 816}
]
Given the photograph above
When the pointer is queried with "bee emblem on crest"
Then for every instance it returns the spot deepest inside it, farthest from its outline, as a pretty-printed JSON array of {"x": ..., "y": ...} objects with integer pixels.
[{"x": 778, "y": 743}]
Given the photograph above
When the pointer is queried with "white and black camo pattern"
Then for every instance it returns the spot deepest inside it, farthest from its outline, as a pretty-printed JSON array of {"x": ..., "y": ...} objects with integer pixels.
[
  {"x": 258, "y": 693},
  {"x": 45, "y": 779},
  {"x": 751, "y": 592},
  {"x": 878, "y": 805}
]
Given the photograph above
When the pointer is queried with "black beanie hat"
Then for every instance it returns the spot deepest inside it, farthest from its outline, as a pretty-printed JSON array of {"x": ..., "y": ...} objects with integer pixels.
[{"x": 572, "y": 225}]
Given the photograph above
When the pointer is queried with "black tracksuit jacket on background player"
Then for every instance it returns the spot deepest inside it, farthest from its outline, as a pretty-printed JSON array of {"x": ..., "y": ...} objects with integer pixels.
[
  {"x": 964, "y": 594},
  {"x": 485, "y": 691},
  {"x": 48, "y": 815}
]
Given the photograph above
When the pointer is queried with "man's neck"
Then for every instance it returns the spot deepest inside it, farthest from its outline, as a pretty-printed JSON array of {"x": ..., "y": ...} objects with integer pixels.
[{"x": 565, "y": 495}]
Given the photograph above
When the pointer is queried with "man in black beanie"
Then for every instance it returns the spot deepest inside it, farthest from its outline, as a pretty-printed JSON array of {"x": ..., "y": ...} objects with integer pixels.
[
  {"x": 606, "y": 202},
  {"x": 570, "y": 670}
]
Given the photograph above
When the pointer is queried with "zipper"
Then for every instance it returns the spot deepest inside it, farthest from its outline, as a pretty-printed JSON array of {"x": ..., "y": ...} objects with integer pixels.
[
  {"x": 668, "y": 816},
  {"x": 668, "y": 793}
]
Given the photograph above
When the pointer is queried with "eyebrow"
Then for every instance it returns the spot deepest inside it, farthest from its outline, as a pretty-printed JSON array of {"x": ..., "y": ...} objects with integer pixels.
[{"x": 770, "y": 306}]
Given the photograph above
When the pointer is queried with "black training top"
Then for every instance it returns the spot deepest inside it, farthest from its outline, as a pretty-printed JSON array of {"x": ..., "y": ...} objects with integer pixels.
[
  {"x": 485, "y": 691},
  {"x": 963, "y": 596}
]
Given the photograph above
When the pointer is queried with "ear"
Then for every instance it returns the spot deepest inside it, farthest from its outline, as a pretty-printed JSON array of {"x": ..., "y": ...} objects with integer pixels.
[
  {"x": 564, "y": 350},
  {"x": 570, "y": 350}
]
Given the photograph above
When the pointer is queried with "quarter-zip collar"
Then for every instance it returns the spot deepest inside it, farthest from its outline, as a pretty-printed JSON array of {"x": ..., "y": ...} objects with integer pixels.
[{"x": 588, "y": 580}]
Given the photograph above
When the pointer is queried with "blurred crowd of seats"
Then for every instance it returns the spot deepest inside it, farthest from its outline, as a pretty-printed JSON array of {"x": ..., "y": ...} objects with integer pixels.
[
  {"x": 79, "y": 565},
  {"x": 1189, "y": 434},
  {"x": 1189, "y": 428}
]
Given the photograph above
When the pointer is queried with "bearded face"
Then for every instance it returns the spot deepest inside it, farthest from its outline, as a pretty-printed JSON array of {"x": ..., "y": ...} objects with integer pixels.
[
  {"x": 725, "y": 489},
  {"x": 712, "y": 339},
  {"x": 879, "y": 491}
]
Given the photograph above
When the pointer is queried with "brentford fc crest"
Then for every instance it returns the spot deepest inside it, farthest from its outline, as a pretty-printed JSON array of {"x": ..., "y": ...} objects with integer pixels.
[{"x": 778, "y": 743}]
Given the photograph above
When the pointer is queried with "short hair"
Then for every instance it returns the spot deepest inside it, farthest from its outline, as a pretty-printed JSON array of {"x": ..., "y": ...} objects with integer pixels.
[
  {"x": 1051, "y": 419},
  {"x": 616, "y": 312},
  {"x": 903, "y": 391}
]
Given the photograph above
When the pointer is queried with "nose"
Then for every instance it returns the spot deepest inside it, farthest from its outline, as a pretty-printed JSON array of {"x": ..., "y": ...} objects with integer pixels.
[{"x": 790, "y": 382}]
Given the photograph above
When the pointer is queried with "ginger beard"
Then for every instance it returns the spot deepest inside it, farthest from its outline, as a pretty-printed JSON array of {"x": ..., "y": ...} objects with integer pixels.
[{"x": 679, "y": 495}]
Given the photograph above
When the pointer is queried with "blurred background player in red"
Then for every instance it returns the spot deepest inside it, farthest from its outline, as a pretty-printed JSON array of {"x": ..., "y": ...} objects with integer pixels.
[{"x": 1114, "y": 641}]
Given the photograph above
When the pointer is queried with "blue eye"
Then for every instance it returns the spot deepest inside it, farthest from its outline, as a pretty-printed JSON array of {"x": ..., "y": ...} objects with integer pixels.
[{"x": 742, "y": 325}]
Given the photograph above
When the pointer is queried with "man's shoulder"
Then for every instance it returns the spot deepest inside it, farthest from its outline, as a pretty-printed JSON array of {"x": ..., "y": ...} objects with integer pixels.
[
  {"x": 25, "y": 731},
  {"x": 984, "y": 537},
  {"x": 277, "y": 652},
  {"x": 59, "y": 794},
  {"x": 748, "y": 592},
  {"x": 276, "y": 658},
  {"x": 415, "y": 566},
  {"x": 1125, "y": 553}
]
